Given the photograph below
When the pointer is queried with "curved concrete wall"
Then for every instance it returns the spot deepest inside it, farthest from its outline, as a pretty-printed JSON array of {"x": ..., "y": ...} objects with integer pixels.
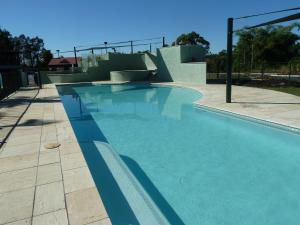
[{"x": 129, "y": 75}]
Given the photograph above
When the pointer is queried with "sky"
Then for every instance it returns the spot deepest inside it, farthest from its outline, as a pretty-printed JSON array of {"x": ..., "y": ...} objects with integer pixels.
[{"x": 63, "y": 24}]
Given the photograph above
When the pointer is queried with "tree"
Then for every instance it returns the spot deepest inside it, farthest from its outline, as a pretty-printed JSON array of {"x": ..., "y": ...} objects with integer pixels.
[
  {"x": 266, "y": 46},
  {"x": 192, "y": 38},
  {"x": 216, "y": 63},
  {"x": 30, "y": 49},
  {"x": 8, "y": 51},
  {"x": 45, "y": 57}
]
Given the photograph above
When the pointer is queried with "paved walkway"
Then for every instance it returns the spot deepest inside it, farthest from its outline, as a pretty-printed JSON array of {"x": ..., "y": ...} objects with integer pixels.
[
  {"x": 43, "y": 186},
  {"x": 12, "y": 108},
  {"x": 273, "y": 106}
]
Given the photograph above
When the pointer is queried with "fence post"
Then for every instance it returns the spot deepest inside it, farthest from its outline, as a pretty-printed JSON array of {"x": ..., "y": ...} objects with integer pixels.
[
  {"x": 229, "y": 59},
  {"x": 131, "y": 46},
  {"x": 290, "y": 70},
  {"x": 40, "y": 78},
  {"x": 76, "y": 63},
  {"x": 105, "y": 44}
]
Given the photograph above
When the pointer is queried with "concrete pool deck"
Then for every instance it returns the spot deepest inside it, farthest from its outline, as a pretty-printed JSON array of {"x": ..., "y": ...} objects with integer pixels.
[
  {"x": 43, "y": 186},
  {"x": 54, "y": 186},
  {"x": 268, "y": 105}
]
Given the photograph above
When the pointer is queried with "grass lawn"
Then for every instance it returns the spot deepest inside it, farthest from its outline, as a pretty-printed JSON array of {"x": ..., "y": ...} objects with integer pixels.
[{"x": 287, "y": 89}]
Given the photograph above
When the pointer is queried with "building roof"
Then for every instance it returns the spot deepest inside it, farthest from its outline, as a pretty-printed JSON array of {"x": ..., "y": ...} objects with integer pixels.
[{"x": 63, "y": 61}]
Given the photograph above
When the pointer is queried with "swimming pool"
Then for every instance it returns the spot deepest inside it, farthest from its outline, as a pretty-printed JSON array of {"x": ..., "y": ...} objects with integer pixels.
[{"x": 194, "y": 166}]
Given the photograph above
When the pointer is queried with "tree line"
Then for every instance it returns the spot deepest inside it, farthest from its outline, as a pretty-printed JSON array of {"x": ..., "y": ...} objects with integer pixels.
[
  {"x": 260, "y": 49},
  {"x": 23, "y": 50}
]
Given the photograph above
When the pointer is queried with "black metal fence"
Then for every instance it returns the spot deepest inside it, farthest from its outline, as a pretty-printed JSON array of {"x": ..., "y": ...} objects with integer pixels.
[
  {"x": 130, "y": 46},
  {"x": 10, "y": 80}
]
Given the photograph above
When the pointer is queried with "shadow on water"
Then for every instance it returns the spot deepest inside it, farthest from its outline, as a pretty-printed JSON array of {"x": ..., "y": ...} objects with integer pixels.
[
  {"x": 152, "y": 191},
  {"x": 115, "y": 203}
]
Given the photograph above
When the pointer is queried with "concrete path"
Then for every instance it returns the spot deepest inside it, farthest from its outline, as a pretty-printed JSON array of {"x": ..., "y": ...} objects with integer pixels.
[
  {"x": 272, "y": 106},
  {"x": 43, "y": 186},
  {"x": 12, "y": 109}
]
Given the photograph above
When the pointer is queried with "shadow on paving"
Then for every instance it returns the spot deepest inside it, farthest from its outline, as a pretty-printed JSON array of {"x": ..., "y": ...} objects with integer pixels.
[{"x": 14, "y": 101}]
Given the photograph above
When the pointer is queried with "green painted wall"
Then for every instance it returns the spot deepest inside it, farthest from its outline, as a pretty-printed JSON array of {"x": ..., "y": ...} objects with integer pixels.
[
  {"x": 129, "y": 75},
  {"x": 192, "y": 53},
  {"x": 150, "y": 61},
  {"x": 112, "y": 62},
  {"x": 175, "y": 64},
  {"x": 172, "y": 63}
]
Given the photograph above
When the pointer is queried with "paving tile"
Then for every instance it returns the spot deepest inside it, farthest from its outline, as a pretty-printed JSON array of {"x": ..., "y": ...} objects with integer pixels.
[
  {"x": 77, "y": 179},
  {"x": 20, "y": 149},
  {"x": 4, "y": 132},
  {"x": 21, "y": 222},
  {"x": 85, "y": 207},
  {"x": 72, "y": 161},
  {"x": 18, "y": 162},
  {"x": 54, "y": 218},
  {"x": 51, "y": 156},
  {"x": 49, "y": 138},
  {"x": 18, "y": 179},
  {"x": 49, "y": 173},
  {"x": 49, "y": 198},
  {"x": 25, "y": 132},
  {"x": 16, "y": 205},
  {"x": 69, "y": 147},
  {"x": 21, "y": 140},
  {"x": 105, "y": 221}
]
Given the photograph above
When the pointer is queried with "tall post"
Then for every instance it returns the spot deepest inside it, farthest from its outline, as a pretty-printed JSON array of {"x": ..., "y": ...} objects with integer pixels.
[
  {"x": 131, "y": 46},
  {"x": 39, "y": 78},
  {"x": 105, "y": 44},
  {"x": 229, "y": 59},
  {"x": 150, "y": 47},
  {"x": 252, "y": 57},
  {"x": 76, "y": 63},
  {"x": 164, "y": 42},
  {"x": 38, "y": 74}
]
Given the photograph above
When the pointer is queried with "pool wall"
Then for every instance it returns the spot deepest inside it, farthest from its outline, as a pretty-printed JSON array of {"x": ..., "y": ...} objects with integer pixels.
[
  {"x": 181, "y": 64},
  {"x": 176, "y": 63},
  {"x": 129, "y": 75},
  {"x": 111, "y": 62}
]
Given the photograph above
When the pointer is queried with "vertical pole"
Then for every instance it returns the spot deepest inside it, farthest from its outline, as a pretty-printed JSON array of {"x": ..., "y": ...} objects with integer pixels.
[
  {"x": 164, "y": 42},
  {"x": 40, "y": 79},
  {"x": 229, "y": 59},
  {"x": 131, "y": 46},
  {"x": 105, "y": 44},
  {"x": 150, "y": 47},
  {"x": 252, "y": 57},
  {"x": 290, "y": 70},
  {"x": 76, "y": 63}
]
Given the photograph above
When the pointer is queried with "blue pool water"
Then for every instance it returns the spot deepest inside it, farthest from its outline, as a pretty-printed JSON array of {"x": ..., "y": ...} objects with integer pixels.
[{"x": 197, "y": 166}]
